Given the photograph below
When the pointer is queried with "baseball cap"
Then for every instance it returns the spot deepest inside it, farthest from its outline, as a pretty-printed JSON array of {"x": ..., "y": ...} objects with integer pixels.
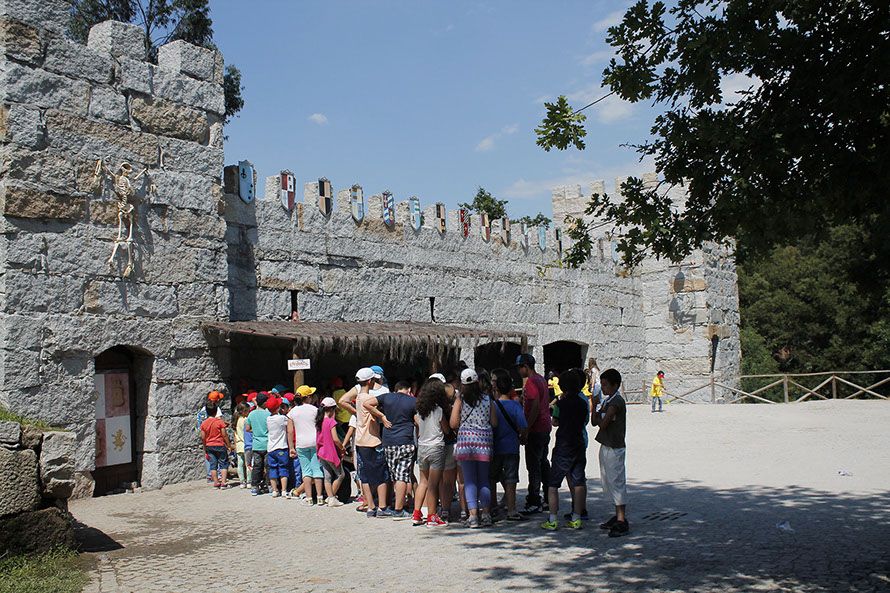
[
  {"x": 525, "y": 359},
  {"x": 364, "y": 374},
  {"x": 438, "y": 376},
  {"x": 285, "y": 402},
  {"x": 468, "y": 376},
  {"x": 378, "y": 370},
  {"x": 273, "y": 403},
  {"x": 279, "y": 388},
  {"x": 305, "y": 390},
  {"x": 251, "y": 397},
  {"x": 215, "y": 396},
  {"x": 328, "y": 402},
  {"x": 288, "y": 396}
]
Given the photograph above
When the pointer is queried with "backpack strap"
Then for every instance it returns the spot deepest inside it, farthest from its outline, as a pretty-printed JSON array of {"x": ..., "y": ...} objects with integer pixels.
[{"x": 507, "y": 416}]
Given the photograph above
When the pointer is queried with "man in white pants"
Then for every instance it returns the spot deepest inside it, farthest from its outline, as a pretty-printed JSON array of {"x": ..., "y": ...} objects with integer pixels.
[{"x": 611, "y": 418}]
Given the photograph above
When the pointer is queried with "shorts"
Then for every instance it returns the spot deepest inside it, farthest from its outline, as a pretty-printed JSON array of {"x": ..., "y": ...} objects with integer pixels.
[
  {"x": 450, "y": 462},
  {"x": 296, "y": 471},
  {"x": 331, "y": 472},
  {"x": 431, "y": 457},
  {"x": 400, "y": 462},
  {"x": 309, "y": 464},
  {"x": 218, "y": 458},
  {"x": 565, "y": 465},
  {"x": 373, "y": 465},
  {"x": 278, "y": 461},
  {"x": 358, "y": 465},
  {"x": 505, "y": 468},
  {"x": 613, "y": 474}
]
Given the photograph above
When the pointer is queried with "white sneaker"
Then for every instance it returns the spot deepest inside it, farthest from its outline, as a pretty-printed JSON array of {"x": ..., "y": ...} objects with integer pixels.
[
  {"x": 287, "y": 495},
  {"x": 308, "y": 502},
  {"x": 276, "y": 494},
  {"x": 334, "y": 502},
  {"x": 321, "y": 502}
]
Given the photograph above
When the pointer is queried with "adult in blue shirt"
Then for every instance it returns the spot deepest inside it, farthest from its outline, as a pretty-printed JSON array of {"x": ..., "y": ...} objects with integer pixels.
[{"x": 395, "y": 411}]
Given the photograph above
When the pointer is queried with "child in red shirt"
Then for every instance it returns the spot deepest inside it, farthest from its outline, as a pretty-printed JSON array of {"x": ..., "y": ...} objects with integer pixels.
[{"x": 216, "y": 446}]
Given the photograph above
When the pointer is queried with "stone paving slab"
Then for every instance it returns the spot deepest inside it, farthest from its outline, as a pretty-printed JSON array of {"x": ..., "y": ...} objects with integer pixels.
[{"x": 708, "y": 485}]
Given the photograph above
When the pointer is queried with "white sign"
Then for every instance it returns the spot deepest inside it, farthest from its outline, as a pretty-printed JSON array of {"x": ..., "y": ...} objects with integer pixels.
[{"x": 298, "y": 364}]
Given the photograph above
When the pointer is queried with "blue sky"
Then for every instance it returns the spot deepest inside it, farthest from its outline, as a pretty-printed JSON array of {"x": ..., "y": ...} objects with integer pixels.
[{"x": 425, "y": 98}]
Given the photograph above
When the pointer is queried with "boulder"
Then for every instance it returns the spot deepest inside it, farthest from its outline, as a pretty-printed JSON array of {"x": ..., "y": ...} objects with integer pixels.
[
  {"x": 18, "y": 488},
  {"x": 36, "y": 531},
  {"x": 10, "y": 433},
  {"x": 57, "y": 464}
]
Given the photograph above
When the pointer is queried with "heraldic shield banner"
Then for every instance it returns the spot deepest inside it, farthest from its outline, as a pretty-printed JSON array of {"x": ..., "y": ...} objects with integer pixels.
[
  {"x": 357, "y": 203},
  {"x": 389, "y": 208},
  {"x": 113, "y": 424},
  {"x": 415, "y": 213}
]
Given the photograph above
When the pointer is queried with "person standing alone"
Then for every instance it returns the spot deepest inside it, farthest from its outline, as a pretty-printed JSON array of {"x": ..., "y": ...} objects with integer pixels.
[
  {"x": 537, "y": 417},
  {"x": 656, "y": 392}
]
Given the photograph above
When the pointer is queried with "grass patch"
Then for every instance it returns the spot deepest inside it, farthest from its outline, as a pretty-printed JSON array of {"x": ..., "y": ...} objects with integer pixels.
[
  {"x": 6, "y": 415},
  {"x": 57, "y": 571}
]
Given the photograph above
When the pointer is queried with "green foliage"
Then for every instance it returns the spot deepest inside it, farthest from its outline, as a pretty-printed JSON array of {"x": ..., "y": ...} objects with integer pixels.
[
  {"x": 805, "y": 147},
  {"x": 163, "y": 21},
  {"x": 484, "y": 202},
  {"x": 561, "y": 127},
  {"x": 537, "y": 220},
  {"x": 819, "y": 305},
  {"x": 57, "y": 571},
  {"x": 6, "y": 415}
]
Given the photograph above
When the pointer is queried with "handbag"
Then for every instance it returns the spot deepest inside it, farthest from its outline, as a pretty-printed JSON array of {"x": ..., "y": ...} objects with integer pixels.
[{"x": 523, "y": 435}]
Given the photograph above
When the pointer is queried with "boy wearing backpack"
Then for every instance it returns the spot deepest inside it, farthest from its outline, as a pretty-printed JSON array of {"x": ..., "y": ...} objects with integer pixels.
[{"x": 511, "y": 429}]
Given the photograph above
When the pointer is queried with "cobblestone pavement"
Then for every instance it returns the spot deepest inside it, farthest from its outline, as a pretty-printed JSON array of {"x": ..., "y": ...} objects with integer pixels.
[{"x": 708, "y": 486}]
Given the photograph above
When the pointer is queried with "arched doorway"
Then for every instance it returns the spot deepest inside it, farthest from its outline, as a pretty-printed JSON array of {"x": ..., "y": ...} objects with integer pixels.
[
  {"x": 122, "y": 377},
  {"x": 562, "y": 355}
]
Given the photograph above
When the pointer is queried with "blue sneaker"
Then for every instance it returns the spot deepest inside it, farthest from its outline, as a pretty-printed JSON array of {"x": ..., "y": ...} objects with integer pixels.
[
  {"x": 371, "y": 513},
  {"x": 400, "y": 515},
  {"x": 254, "y": 492},
  {"x": 385, "y": 513}
]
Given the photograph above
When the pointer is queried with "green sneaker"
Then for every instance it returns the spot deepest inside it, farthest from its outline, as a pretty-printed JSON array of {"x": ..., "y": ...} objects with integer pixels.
[
  {"x": 550, "y": 525},
  {"x": 574, "y": 524}
]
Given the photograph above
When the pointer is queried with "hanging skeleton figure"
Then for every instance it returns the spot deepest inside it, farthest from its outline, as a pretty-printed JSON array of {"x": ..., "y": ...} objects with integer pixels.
[{"x": 127, "y": 200}]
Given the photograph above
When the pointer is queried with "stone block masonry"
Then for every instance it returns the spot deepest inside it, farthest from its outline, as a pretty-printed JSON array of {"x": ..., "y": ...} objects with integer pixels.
[
  {"x": 64, "y": 106},
  {"x": 72, "y": 325}
]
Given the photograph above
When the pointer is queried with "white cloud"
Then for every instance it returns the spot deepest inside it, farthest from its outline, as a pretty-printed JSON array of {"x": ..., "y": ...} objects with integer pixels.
[
  {"x": 542, "y": 99},
  {"x": 610, "y": 20},
  {"x": 318, "y": 118},
  {"x": 609, "y": 110},
  {"x": 598, "y": 57},
  {"x": 730, "y": 86},
  {"x": 488, "y": 142},
  {"x": 581, "y": 173}
]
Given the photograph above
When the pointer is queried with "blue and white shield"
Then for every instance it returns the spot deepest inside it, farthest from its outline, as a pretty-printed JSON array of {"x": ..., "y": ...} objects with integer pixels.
[
  {"x": 523, "y": 235},
  {"x": 542, "y": 238},
  {"x": 357, "y": 203},
  {"x": 389, "y": 208},
  {"x": 246, "y": 181},
  {"x": 414, "y": 211}
]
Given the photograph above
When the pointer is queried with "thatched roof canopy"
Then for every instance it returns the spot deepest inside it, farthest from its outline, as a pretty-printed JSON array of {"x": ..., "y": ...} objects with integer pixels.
[{"x": 397, "y": 338}]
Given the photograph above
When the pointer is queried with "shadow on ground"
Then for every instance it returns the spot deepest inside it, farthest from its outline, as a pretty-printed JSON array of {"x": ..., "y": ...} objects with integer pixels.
[
  {"x": 688, "y": 537},
  {"x": 90, "y": 539}
]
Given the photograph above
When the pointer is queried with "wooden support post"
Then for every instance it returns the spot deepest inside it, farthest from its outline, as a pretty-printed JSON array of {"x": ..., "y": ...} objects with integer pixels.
[
  {"x": 785, "y": 387},
  {"x": 298, "y": 375},
  {"x": 713, "y": 391},
  {"x": 833, "y": 387}
]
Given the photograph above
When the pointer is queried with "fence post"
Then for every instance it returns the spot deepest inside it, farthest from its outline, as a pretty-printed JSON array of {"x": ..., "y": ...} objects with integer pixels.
[
  {"x": 785, "y": 387},
  {"x": 833, "y": 387},
  {"x": 713, "y": 393}
]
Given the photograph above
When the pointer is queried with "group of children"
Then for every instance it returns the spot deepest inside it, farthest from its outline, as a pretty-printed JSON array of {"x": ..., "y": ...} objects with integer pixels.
[{"x": 463, "y": 433}]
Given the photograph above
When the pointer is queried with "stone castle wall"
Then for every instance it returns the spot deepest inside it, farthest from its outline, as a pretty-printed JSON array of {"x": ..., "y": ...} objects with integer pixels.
[
  {"x": 202, "y": 255},
  {"x": 63, "y": 106}
]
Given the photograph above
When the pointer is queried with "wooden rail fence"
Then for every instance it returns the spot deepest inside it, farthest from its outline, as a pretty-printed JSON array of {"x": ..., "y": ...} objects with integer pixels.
[{"x": 788, "y": 388}]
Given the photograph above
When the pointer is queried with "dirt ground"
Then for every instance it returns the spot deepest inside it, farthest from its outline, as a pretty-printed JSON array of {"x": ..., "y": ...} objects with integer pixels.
[{"x": 709, "y": 486}]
